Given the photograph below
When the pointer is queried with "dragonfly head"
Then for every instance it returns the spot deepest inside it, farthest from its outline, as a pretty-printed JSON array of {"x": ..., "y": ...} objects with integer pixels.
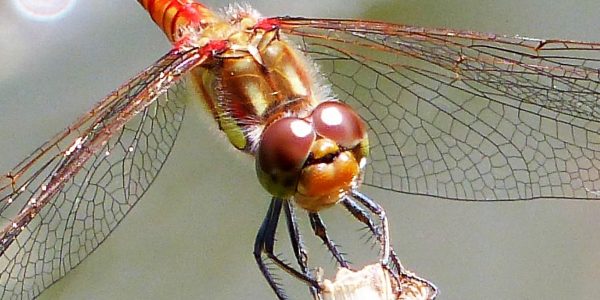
[{"x": 315, "y": 159}]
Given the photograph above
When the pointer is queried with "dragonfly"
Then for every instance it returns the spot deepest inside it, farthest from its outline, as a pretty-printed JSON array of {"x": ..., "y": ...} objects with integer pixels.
[{"x": 587, "y": 191}]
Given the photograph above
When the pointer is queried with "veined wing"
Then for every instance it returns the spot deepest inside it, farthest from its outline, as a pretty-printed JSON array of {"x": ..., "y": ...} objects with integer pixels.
[
  {"x": 61, "y": 202},
  {"x": 464, "y": 115}
]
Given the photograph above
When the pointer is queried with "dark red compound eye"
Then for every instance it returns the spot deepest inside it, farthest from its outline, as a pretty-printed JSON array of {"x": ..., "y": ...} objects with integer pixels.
[
  {"x": 283, "y": 149},
  {"x": 338, "y": 122}
]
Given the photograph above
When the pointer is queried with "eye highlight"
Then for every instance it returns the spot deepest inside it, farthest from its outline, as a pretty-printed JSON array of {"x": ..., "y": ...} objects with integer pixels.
[
  {"x": 300, "y": 128},
  {"x": 331, "y": 116}
]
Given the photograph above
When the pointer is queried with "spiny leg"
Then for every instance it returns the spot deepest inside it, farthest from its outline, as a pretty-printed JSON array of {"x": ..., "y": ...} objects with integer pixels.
[
  {"x": 259, "y": 245},
  {"x": 382, "y": 233},
  {"x": 297, "y": 243},
  {"x": 295, "y": 237},
  {"x": 265, "y": 241},
  {"x": 269, "y": 246},
  {"x": 320, "y": 230},
  {"x": 361, "y": 215}
]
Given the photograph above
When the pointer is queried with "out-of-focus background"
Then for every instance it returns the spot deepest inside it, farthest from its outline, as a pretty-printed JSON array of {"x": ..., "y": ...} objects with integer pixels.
[{"x": 192, "y": 234}]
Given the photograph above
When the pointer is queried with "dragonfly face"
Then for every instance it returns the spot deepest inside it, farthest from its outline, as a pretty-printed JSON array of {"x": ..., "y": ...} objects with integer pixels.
[
  {"x": 325, "y": 162},
  {"x": 469, "y": 229}
]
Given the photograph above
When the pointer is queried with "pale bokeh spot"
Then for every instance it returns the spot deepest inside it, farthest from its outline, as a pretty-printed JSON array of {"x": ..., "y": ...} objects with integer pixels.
[{"x": 43, "y": 10}]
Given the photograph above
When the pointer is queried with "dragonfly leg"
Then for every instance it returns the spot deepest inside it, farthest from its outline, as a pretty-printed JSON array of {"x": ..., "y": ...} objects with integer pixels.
[
  {"x": 389, "y": 259},
  {"x": 321, "y": 231},
  {"x": 297, "y": 244},
  {"x": 265, "y": 242},
  {"x": 382, "y": 232},
  {"x": 397, "y": 270}
]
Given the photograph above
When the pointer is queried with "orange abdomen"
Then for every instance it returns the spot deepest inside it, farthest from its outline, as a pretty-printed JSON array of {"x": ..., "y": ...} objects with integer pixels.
[{"x": 174, "y": 15}]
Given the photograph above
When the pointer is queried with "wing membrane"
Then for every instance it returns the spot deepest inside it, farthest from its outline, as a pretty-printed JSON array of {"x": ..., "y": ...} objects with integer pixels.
[
  {"x": 64, "y": 200},
  {"x": 463, "y": 115}
]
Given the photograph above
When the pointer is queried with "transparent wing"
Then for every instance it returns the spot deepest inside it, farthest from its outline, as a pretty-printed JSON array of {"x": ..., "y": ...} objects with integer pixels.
[
  {"x": 464, "y": 115},
  {"x": 64, "y": 200}
]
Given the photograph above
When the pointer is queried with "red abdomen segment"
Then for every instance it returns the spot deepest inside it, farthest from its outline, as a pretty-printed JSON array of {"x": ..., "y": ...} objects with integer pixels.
[{"x": 174, "y": 15}]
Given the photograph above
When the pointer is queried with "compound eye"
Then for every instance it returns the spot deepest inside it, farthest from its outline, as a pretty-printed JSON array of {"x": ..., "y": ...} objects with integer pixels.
[
  {"x": 282, "y": 152},
  {"x": 338, "y": 121}
]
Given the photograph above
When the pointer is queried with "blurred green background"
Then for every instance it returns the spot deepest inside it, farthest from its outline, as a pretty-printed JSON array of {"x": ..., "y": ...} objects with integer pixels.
[{"x": 192, "y": 234}]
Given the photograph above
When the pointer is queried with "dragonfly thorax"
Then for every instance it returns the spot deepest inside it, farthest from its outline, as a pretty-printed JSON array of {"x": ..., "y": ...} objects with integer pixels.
[
  {"x": 315, "y": 159},
  {"x": 258, "y": 78}
]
